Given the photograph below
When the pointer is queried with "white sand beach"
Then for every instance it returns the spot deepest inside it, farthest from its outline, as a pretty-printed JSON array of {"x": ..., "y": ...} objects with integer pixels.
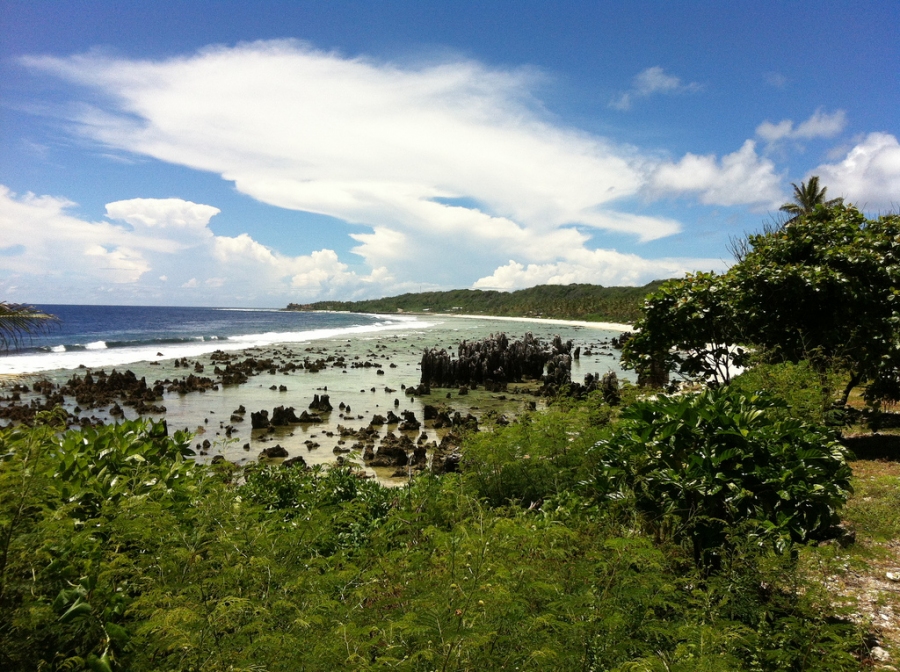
[{"x": 610, "y": 326}]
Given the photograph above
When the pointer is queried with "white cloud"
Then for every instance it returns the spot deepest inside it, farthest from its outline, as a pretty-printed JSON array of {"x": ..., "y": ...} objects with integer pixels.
[
  {"x": 819, "y": 125},
  {"x": 373, "y": 144},
  {"x": 739, "y": 178},
  {"x": 164, "y": 213},
  {"x": 602, "y": 267},
  {"x": 58, "y": 257},
  {"x": 869, "y": 174},
  {"x": 54, "y": 244},
  {"x": 124, "y": 264},
  {"x": 649, "y": 82},
  {"x": 392, "y": 150}
]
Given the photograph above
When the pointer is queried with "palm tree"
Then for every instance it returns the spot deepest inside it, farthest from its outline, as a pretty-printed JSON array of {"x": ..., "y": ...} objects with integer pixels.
[
  {"x": 18, "y": 320},
  {"x": 807, "y": 196}
]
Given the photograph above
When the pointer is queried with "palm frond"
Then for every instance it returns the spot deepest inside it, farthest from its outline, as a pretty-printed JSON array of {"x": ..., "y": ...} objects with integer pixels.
[
  {"x": 19, "y": 320},
  {"x": 808, "y": 196}
]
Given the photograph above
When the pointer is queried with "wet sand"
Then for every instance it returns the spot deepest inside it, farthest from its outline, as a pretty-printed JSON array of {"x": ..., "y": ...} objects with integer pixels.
[{"x": 393, "y": 364}]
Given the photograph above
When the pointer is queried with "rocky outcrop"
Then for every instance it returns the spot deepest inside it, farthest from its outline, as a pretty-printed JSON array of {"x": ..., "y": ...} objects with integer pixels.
[
  {"x": 446, "y": 457},
  {"x": 409, "y": 423},
  {"x": 281, "y": 416},
  {"x": 321, "y": 404},
  {"x": 101, "y": 389},
  {"x": 297, "y": 461},
  {"x": 495, "y": 362},
  {"x": 273, "y": 452},
  {"x": 259, "y": 420},
  {"x": 393, "y": 451}
]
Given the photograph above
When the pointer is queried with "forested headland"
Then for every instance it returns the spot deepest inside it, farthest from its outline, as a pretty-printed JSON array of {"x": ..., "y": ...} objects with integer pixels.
[{"x": 563, "y": 302}]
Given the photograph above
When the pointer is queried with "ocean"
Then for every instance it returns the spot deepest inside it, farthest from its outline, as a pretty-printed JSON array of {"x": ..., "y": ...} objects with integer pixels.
[
  {"x": 371, "y": 362},
  {"x": 102, "y": 336}
]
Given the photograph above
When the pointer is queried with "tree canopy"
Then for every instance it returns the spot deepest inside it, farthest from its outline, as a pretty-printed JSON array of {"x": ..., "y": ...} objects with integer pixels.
[{"x": 822, "y": 288}]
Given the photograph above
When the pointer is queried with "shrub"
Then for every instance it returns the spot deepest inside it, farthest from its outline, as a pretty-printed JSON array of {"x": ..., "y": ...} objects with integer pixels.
[
  {"x": 538, "y": 456},
  {"x": 696, "y": 466},
  {"x": 809, "y": 394}
]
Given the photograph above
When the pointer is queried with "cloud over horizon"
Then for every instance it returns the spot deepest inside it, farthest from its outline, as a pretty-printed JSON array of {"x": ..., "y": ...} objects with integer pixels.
[{"x": 77, "y": 261}]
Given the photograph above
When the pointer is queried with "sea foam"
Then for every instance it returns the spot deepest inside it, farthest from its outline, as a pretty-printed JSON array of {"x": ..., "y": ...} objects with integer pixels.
[{"x": 98, "y": 355}]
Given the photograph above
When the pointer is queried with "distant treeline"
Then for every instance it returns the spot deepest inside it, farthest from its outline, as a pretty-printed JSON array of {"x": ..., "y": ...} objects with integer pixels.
[{"x": 567, "y": 302}]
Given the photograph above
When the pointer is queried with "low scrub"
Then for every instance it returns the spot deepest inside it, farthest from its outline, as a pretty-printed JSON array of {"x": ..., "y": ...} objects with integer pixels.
[{"x": 118, "y": 553}]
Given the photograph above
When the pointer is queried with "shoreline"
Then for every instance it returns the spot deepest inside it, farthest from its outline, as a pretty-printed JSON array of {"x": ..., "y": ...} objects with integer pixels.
[
  {"x": 372, "y": 373},
  {"x": 608, "y": 326}
]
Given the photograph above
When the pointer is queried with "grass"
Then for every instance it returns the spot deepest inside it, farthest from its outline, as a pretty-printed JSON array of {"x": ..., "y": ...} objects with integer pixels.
[{"x": 856, "y": 576}]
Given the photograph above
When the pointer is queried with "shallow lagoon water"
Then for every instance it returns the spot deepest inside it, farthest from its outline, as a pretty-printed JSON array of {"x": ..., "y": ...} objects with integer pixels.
[{"x": 398, "y": 349}]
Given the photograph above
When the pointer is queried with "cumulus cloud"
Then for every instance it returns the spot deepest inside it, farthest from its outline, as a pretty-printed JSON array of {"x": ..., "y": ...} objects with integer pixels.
[
  {"x": 819, "y": 125},
  {"x": 650, "y": 82},
  {"x": 601, "y": 267},
  {"x": 869, "y": 174},
  {"x": 163, "y": 213},
  {"x": 55, "y": 245},
  {"x": 375, "y": 144},
  {"x": 56, "y": 256},
  {"x": 739, "y": 178}
]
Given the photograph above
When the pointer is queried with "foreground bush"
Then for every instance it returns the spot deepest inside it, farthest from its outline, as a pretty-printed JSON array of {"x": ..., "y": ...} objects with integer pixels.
[
  {"x": 318, "y": 570},
  {"x": 700, "y": 466}
]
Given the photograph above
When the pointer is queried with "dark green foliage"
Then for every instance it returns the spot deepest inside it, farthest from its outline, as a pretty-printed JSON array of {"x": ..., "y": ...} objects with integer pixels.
[
  {"x": 582, "y": 302},
  {"x": 63, "y": 496},
  {"x": 689, "y": 326},
  {"x": 698, "y": 466},
  {"x": 539, "y": 456},
  {"x": 822, "y": 288},
  {"x": 810, "y": 394},
  {"x": 321, "y": 570}
]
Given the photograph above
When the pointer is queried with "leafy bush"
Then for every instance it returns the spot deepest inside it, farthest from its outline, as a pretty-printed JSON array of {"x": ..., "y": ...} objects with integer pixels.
[
  {"x": 823, "y": 287},
  {"x": 699, "y": 465},
  {"x": 321, "y": 570},
  {"x": 810, "y": 394},
  {"x": 62, "y": 494},
  {"x": 538, "y": 456},
  {"x": 101, "y": 466}
]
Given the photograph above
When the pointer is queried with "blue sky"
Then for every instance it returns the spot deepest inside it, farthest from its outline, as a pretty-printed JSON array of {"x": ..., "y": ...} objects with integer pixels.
[{"x": 255, "y": 153}]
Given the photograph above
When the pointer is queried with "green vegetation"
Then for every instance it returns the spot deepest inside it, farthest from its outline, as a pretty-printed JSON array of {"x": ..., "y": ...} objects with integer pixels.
[
  {"x": 823, "y": 289},
  {"x": 706, "y": 464},
  {"x": 572, "y": 302},
  {"x": 563, "y": 545},
  {"x": 807, "y": 197},
  {"x": 18, "y": 320}
]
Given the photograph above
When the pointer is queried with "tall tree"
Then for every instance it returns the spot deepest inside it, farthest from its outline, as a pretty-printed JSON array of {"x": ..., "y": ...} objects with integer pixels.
[
  {"x": 18, "y": 320},
  {"x": 825, "y": 289},
  {"x": 807, "y": 196}
]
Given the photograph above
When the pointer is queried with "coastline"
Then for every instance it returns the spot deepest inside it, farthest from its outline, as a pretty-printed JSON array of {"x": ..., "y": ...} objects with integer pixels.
[
  {"x": 607, "y": 326},
  {"x": 371, "y": 371}
]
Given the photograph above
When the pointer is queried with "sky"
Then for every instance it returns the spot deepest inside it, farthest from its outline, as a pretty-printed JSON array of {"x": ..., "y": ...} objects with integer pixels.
[{"x": 259, "y": 153}]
